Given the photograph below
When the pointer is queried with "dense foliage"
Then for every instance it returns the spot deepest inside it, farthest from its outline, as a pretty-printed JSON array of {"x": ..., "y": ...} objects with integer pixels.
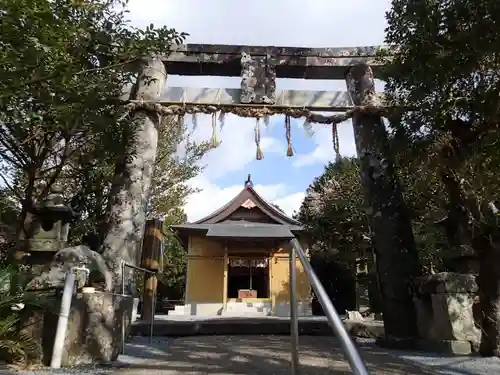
[
  {"x": 445, "y": 74},
  {"x": 65, "y": 66},
  {"x": 334, "y": 213},
  {"x": 67, "y": 70},
  {"x": 16, "y": 346},
  {"x": 178, "y": 160},
  {"x": 173, "y": 275},
  {"x": 8, "y": 222}
]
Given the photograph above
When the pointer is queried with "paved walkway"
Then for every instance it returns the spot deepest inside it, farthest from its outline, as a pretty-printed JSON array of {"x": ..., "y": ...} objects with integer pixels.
[{"x": 253, "y": 355}]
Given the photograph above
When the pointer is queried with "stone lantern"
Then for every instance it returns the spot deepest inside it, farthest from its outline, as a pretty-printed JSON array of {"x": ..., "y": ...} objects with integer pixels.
[{"x": 51, "y": 230}]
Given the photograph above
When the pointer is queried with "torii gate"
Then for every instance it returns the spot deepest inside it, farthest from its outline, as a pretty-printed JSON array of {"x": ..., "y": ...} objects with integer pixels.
[{"x": 259, "y": 97}]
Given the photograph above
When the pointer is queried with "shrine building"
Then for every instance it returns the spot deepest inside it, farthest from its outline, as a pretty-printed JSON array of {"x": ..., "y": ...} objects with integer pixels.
[{"x": 238, "y": 260}]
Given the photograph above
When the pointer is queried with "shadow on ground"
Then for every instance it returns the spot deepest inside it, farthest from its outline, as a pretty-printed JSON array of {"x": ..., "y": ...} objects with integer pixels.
[
  {"x": 234, "y": 355},
  {"x": 450, "y": 364}
]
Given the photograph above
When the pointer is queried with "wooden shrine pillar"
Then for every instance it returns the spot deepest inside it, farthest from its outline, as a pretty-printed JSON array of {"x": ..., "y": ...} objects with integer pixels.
[
  {"x": 225, "y": 286},
  {"x": 151, "y": 259},
  {"x": 396, "y": 255}
]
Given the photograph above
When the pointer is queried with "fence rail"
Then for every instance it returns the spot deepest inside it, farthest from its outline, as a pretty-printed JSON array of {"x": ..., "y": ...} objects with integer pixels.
[
  {"x": 144, "y": 270},
  {"x": 357, "y": 364}
]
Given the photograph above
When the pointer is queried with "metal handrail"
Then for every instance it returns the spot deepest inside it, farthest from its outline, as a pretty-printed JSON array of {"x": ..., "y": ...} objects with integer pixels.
[
  {"x": 125, "y": 265},
  {"x": 357, "y": 364}
]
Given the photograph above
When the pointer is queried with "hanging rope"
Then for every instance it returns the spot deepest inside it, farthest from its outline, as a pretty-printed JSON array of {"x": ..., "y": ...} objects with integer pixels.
[
  {"x": 255, "y": 112},
  {"x": 307, "y": 126},
  {"x": 266, "y": 121},
  {"x": 288, "y": 134},
  {"x": 260, "y": 154},
  {"x": 213, "y": 139},
  {"x": 335, "y": 140},
  {"x": 180, "y": 120},
  {"x": 194, "y": 120},
  {"x": 222, "y": 119}
]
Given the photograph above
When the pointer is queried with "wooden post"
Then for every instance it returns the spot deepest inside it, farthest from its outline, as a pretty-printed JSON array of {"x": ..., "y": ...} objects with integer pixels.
[
  {"x": 397, "y": 258},
  {"x": 272, "y": 293},
  {"x": 150, "y": 260},
  {"x": 224, "y": 295},
  {"x": 150, "y": 285}
]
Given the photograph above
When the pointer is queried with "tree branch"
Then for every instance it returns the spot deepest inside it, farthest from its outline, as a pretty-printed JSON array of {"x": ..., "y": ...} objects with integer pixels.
[
  {"x": 10, "y": 187},
  {"x": 37, "y": 80}
]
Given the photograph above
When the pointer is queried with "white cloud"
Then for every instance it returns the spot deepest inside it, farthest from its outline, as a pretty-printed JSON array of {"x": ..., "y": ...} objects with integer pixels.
[
  {"x": 319, "y": 23},
  {"x": 290, "y": 203},
  {"x": 236, "y": 151},
  {"x": 324, "y": 152},
  {"x": 322, "y": 23},
  {"x": 212, "y": 197},
  {"x": 237, "y": 148}
]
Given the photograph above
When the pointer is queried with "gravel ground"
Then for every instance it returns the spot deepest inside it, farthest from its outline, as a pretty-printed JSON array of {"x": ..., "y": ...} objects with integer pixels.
[
  {"x": 256, "y": 355},
  {"x": 446, "y": 364},
  {"x": 253, "y": 355},
  {"x": 451, "y": 365}
]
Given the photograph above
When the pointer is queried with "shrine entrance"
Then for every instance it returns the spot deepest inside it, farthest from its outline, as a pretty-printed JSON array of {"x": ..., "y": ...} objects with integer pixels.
[
  {"x": 248, "y": 278},
  {"x": 239, "y": 260},
  {"x": 248, "y": 216},
  {"x": 260, "y": 97}
]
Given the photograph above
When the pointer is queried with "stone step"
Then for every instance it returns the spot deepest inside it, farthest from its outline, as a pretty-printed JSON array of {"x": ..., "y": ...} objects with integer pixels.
[
  {"x": 176, "y": 313},
  {"x": 179, "y": 310},
  {"x": 249, "y": 307},
  {"x": 249, "y": 324}
]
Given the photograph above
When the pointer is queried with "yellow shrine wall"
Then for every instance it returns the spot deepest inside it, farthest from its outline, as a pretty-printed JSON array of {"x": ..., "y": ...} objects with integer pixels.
[
  {"x": 280, "y": 274},
  {"x": 205, "y": 273}
]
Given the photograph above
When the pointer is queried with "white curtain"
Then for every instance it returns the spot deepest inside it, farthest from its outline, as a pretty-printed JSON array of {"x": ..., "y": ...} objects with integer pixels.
[{"x": 256, "y": 263}]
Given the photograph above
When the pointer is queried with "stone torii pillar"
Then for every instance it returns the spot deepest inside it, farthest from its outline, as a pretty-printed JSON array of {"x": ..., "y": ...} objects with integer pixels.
[
  {"x": 396, "y": 254},
  {"x": 127, "y": 213}
]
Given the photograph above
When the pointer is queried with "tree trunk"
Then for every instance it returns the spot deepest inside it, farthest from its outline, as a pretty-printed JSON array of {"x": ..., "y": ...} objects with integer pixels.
[
  {"x": 396, "y": 255},
  {"x": 485, "y": 242},
  {"x": 489, "y": 300},
  {"x": 460, "y": 236},
  {"x": 127, "y": 209}
]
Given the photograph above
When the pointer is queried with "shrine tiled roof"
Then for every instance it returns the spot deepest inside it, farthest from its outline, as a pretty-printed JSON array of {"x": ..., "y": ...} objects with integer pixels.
[
  {"x": 241, "y": 229},
  {"x": 248, "y": 198}
]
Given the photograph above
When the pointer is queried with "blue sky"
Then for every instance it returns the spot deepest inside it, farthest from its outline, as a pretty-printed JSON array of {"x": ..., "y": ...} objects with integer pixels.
[{"x": 313, "y": 23}]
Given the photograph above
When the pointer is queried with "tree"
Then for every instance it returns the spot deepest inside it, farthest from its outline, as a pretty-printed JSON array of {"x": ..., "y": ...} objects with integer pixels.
[
  {"x": 334, "y": 216},
  {"x": 16, "y": 347},
  {"x": 445, "y": 72},
  {"x": 333, "y": 212},
  {"x": 65, "y": 65},
  {"x": 89, "y": 186},
  {"x": 173, "y": 276},
  {"x": 177, "y": 161},
  {"x": 8, "y": 221},
  {"x": 427, "y": 205}
]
